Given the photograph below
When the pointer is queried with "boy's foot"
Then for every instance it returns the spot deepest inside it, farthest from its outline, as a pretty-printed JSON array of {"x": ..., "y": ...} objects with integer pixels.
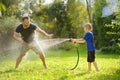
[{"x": 88, "y": 71}]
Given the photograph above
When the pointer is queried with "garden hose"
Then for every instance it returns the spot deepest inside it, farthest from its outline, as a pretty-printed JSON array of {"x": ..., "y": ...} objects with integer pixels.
[{"x": 77, "y": 59}]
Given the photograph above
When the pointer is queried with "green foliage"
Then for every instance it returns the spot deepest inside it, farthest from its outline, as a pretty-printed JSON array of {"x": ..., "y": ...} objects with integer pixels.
[
  {"x": 2, "y": 7},
  {"x": 76, "y": 17},
  {"x": 63, "y": 20},
  {"x": 115, "y": 49},
  {"x": 112, "y": 34},
  {"x": 101, "y": 38},
  {"x": 7, "y": 27},
  {"x": 57, "y": 13},
  {"x": 11, "y": 7},
  {"x": 113, "y": 31}
]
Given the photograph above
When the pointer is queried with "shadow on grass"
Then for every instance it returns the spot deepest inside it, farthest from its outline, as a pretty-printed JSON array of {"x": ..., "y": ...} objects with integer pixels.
[
  {"x": 108, "y": 56},
  {"x": 81, "y": 74},
  {"x": 66, "y": 77},
  {"x": 113, "y": 76},
  {"x": 9, "y": 71}
]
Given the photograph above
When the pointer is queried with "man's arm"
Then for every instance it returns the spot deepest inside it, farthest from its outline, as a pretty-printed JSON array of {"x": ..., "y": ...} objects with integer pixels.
[
  {"x": 43, "y": 32},
  {"x": 17, "y": 37}
]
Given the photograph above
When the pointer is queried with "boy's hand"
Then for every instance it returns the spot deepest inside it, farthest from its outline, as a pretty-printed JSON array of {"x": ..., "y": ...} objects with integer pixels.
[
  {"x": 71, "y": 40},
  {"x": 75, "y": 43}
]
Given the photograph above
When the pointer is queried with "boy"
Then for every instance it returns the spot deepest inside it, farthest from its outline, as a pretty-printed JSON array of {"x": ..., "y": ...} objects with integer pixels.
[
  {"x": 25, "y": 34},
  {"x": 89, "y": 39}
]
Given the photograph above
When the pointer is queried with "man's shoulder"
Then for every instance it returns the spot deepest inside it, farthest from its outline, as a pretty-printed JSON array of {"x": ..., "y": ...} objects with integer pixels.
[
  {"x": 32, "y": 24},
  {"x": 19, "y": 25}
]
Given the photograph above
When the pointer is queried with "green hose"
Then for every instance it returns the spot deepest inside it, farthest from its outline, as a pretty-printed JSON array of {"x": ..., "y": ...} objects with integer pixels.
[{"x": 77, "y": 59}]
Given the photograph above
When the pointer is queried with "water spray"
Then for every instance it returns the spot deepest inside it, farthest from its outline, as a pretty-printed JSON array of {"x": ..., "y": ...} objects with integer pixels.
[
  {"x": 54, "y": 42},
  {"x": 45, "y": 44}
]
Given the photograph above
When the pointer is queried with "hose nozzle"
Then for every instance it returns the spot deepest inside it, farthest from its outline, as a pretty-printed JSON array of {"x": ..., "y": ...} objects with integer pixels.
[{"x": 70, "y": 39}]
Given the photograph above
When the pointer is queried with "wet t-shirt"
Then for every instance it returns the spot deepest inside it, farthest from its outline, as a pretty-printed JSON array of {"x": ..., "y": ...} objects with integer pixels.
[{"x": 27, "y": 34}]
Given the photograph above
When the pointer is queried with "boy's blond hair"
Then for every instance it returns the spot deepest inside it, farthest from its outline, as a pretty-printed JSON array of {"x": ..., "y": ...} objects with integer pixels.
[{"x": 88, "y": 26}]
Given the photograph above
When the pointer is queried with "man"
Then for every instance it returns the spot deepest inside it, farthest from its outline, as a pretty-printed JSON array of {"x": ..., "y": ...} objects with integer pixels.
[{"x": 25, "y": 34}]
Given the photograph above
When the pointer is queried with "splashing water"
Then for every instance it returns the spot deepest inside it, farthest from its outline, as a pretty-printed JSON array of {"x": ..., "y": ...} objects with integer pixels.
[{"x": 45, "y": 44}]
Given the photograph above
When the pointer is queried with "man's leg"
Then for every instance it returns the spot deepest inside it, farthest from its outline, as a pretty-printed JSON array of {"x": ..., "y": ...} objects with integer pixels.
[
  {"x": 23, "y": 51},
  {"x": 42, "y": 57},
  {"x": 19, "y": 59},
  {"x": 36, "y": 47}
]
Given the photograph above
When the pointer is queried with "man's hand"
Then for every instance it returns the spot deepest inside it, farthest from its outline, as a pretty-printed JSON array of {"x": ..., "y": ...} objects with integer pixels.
[
  {"x": 17, "y": 37},
  {"x": 50, "y": 36}
]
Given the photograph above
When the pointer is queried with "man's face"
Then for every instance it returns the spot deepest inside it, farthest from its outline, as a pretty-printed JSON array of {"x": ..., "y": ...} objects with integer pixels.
[{"x": 26, "y": 22}]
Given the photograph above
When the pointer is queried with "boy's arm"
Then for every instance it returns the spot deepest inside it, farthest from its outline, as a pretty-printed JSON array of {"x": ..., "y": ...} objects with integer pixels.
[
  {"x": 80, "y": 41},
  {"x": 43, "y": 32}
]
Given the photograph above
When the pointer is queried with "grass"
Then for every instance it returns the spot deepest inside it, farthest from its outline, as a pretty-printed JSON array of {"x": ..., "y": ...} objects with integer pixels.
[{"x": 60, "y": 62}]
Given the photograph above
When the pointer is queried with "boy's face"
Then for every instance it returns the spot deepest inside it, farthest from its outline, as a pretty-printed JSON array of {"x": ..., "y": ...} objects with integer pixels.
[{"x": 85, "y": 29}]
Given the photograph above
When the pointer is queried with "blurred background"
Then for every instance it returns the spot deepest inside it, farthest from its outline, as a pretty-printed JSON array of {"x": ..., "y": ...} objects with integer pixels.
[{"x": 65, "y": 19}]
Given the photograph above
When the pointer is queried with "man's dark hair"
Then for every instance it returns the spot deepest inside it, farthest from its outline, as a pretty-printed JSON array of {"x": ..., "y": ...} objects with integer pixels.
[{"x": 26, "y": 17}]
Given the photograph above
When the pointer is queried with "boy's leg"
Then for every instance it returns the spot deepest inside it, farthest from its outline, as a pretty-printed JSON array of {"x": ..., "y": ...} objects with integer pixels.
[
  {"x": 96, "y": 67},
  {"x": 89, "y": 61},
  {"x": 24, "y": 49},
  {"x": 89, "y": 66}
]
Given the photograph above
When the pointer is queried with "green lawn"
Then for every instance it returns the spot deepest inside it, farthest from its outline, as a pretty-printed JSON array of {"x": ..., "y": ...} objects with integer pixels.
[{"x": 60, "y": 62}]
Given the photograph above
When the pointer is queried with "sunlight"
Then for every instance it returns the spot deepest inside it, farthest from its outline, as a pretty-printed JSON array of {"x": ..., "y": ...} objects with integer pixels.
[{"x": 48, "y": 1}]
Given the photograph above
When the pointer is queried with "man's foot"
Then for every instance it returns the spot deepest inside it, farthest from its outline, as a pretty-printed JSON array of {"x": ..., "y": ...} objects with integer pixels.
[
  {"x": 16, "y": 67},
  {"x": 46, "y": 67},
  {"x": 97, "y": 70}
]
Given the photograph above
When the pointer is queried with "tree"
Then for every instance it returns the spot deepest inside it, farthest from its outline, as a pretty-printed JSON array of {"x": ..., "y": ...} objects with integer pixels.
[
  {"x": 2, "y": 8},
  {"x": 102, "y": 27},
  {"x": 98, "y": 24},
  {"x": 89, "y": 9},
  {"x": 12, "y": 7},
  {"x": 76, "y": 17}
]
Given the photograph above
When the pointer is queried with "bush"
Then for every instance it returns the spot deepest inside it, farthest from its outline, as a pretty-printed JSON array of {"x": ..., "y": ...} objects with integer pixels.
[
  {"x": 111, "y": 49},
  {"x": 7, "y": 26}
]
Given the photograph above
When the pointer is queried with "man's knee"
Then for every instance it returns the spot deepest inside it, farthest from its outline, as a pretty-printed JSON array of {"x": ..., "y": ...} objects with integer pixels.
[
  {"x": 41, "y": 54},
  {"x": 22, "y": 54}
]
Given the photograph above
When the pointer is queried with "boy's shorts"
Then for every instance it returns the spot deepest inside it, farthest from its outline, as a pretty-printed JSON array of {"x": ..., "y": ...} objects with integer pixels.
[
  {"x": 34, "y": 45},
  {"x": 91, "y": 56}
]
